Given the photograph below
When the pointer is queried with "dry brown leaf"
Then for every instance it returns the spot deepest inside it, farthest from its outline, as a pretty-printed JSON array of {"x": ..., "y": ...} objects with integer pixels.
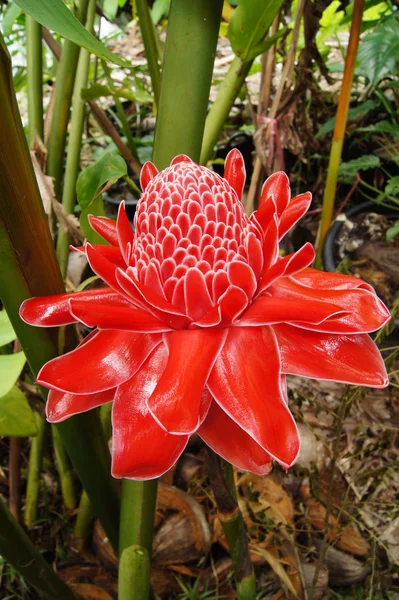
[
  {"x": 91, "y": 592},
  {"x": 69, "y": 223},
  {"x": 270, "y": 497},
  {"x": 346, "y": 537},
  {"x": 277, "y": 567},
  {"x": 320, "y": 588},
  {"x": 185, "y": 534},
  {"x": 343, "y": 569}
]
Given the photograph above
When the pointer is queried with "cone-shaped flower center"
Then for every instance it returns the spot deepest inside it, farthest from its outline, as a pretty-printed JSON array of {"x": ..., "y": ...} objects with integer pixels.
[{"x": 194, "y": 238}]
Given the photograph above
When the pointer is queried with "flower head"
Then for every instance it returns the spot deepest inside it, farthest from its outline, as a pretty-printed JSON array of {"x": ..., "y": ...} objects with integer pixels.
[{"x": 200, "y": 320}]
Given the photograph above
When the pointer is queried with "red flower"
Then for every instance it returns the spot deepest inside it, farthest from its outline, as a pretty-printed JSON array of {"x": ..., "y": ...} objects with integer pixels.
[{"x": 201, "y": 320}]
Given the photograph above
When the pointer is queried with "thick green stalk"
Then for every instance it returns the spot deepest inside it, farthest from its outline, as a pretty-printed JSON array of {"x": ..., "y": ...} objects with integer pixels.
[
  {"x": 148, "y": 34},
  {"x": 29, "y": 268},
  {"x": 217, "y": 116},
  {"x": 34, "y": 78},
  {"x": 74, "y": 142},
  {"x": 340, "y": 128},
  {"x": 190, "y": 49},
  {"x": 35, "y": 121},
  {"x": 34, "y": 470},
  {"x": 62, "y": 102},
  {"x": 138, "y": 504},
  {"x": 17, "y": 549},
  {"x": 221, "y": 477},
  {"x": 65, "y": 471},
  {"x": 134, "y": 574}
]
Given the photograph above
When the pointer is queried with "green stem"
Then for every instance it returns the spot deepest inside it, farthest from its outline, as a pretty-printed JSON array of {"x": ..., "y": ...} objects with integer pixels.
[
  {"x": 119, "y": 109},
  {"x": 339, "y": 129},
  {"x": 34, "y": 470},
  {"x": 34, "y": 78},
  {"x": 138, "y": 502},
  {"x": 75, "y": 142},
  {"x": 31, "y": 269},
  {"x": 83, "y": 520},
  {"x": 85, "y": 512},
  {"x": 221, "y": 477},
  {"x": 193, "y": 30},
  {"x": 17, "y": 549},
  {"x": 65, "y": 471},
  {"x": 134, "y": 574},
  {"x": 132, "y": 185},
  {"x": 217, "y": 116},
  {"x": 62, "y": 103},
  {"x": 148, "y": 33}
]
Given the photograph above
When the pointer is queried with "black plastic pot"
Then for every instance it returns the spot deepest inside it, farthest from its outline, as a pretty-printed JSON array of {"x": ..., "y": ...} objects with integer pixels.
[{"x": 331, "y": 237}]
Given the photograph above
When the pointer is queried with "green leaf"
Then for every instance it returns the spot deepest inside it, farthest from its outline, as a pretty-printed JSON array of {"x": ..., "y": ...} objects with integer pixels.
[
  {"x": 392, "y": 232},
  {"x": 249, "y": 25},
  {"x": 266, "y": 44},
  {"x": 348, "y": 170},
  {"x": 55, "y": 15},
  {"x": 110, "y": 8},
  {"x": 96, "y": 208},
  {"x": 7, "y": 333},
  {"x": 378, "y": 53},
  {"x": 383, "y": 127},
  {"x": 392, "y": 186},
  {"x": 11, "y": 366},
  {"x": 11, "y": 14},
  {"x": 16, "y": 416},
  {"x": 159, "y": 10},
  {"x": 357, "y": 111},
  {"x": 96, "y": 90},
  {"x": 92, "y": 181}
]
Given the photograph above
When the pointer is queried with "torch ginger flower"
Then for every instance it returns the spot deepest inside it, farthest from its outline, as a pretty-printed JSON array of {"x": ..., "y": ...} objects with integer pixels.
[{"x": 201, "y": 320}]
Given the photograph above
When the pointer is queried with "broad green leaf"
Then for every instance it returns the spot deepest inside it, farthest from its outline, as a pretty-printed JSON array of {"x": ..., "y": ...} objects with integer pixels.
[
  {"x": 11, "y": 366},
  {"x": 392, "y": 232},
  {"x": 11, "y": 14},
  {"x": 330, "y": 22},
  {"x": 110, "y": 8},
  {"x": 145, "y": 148},
  {"x": 16, "y": 416},
  {"x": 266, "y": 44},
  {"x": 55, "y": 15},
  {"x": 378, "y": 53},
  {"x": 383, "y": 127},
  {"x": 98, "y": 177},
  {"x": 392, "y": 186},
  {"x": 357, "y": 111},
  {"x": 249, "y": 25},
  {"x": 159, "y": 10},
  {"x": 96, "y": 208},
  {"x": 7, "y": 333},
  {"x": 96, "y": 90},
  {"x": 348, "y": 170}
]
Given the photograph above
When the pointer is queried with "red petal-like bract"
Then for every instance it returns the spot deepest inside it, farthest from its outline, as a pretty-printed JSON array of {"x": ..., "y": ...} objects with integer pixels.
[
  {"x": 201, "y": 318},
  {"x": 141, "y": 449}
]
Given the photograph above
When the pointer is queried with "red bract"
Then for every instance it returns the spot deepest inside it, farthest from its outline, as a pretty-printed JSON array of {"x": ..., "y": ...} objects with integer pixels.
[{"x": 201, "y": 320}]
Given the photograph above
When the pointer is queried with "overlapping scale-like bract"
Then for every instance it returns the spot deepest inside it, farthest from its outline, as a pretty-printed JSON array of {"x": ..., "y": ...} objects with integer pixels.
[
  {"x": 191, "y": 231},
  {"x": 201, "y": 320}
]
